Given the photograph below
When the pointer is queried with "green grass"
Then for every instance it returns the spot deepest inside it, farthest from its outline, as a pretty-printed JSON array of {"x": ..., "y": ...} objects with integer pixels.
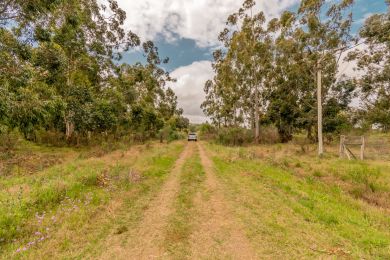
[
  {"x": 181, "y": 223},
  {"x": 49, "y": 213},
  {"x": 291, "y": 204},
  {"x": 287, "y": 215}
]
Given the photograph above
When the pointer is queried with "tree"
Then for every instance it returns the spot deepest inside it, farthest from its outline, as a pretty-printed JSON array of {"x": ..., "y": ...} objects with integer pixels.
[
  {"x": 374, "y": 61},
  {"x": 24, "y": 11},
  {"x": 307, "y": 40},
  {"x": 234, "y": 96},
  {"x": 88, "y": 41},
  {"x": 58, "y": 72},
  {"x": 266, "y": 74}
]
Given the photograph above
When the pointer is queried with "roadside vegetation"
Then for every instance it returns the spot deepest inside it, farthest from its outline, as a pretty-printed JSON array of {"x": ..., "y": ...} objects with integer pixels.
[
  {"x": 307, "y": 207},
  {"x": 267, "y": 73},
  {"x": 62, "y": 82},
  {"x": 64, "y": 209},
  {"x": 92, "y": 161}
]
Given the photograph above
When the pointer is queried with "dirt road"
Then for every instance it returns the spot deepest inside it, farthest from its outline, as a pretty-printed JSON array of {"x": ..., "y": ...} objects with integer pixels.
[
  {"x": 215, "y": 233},
  {"x": 218, "y": 235}
]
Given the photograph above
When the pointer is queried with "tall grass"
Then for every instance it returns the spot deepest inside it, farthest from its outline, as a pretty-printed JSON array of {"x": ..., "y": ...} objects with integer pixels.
[
  {"x": 33, "y": 207},
  {"x": 320, "y": 211}
]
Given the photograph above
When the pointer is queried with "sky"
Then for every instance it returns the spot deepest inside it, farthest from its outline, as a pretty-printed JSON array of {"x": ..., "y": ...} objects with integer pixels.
[{"x": 186, "y": 31}]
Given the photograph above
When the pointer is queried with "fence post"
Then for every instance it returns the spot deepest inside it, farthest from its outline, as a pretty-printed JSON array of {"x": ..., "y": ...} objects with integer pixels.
[
  {"x": 362, "y": 148},
  {"x": 341, "y": 150}
]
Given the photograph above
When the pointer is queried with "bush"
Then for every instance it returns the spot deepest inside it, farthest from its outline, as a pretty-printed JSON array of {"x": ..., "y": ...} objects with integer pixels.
[
  {"x": 50, "y": 137},
  {"x": 207, "y": 131},
  {"x": 234, "y": 136},
  {"x": 269, "y": 135},
  {"x": 8, "y": 140},
  {"x": 173, "y": 136},
  {"x": 170, "y": 134}
]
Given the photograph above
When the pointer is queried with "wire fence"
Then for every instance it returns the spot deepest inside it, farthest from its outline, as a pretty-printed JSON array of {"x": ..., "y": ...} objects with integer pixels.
[
  {"x": 374, "y": 147},
  {"x": 377, "y": 147}
]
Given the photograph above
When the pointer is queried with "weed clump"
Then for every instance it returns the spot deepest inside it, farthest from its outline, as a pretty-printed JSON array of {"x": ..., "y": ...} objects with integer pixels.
[
  {"x": 317, "y": 174},
  {"x": 366, "y": 176},
  {"x": 121, "y": 230}
]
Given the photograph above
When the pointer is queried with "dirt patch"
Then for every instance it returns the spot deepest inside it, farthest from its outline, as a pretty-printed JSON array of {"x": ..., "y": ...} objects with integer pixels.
[
  {"x": 146, "y": 241},
  {"x": 218, "y": 235},
  {"x": 28, "y": 163}
]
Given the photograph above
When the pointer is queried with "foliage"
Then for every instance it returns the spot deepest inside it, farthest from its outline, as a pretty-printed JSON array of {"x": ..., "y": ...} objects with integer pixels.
[
  {"x": 234, "y": 136},
  {"x": 304, "y": 193},
  {"x": 58, "y": 73},
  {"x": 207, "y": 131},
  {"x": 265, "y": 72},
  {"x": 71, "y": 195},
  {"x": 374, "y": 61}
]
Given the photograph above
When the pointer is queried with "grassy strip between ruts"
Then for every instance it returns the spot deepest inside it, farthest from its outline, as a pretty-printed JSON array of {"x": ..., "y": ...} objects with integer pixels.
[
  {"x": 287, "y": 216},
  {"x": 66, "y": 210},
  {"x": 181, "y": 223}
]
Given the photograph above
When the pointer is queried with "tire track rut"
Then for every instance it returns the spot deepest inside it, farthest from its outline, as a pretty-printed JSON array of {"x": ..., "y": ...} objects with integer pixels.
[
  {"x": 145, "y": 242},
  {"x": 218, "y": 235}
]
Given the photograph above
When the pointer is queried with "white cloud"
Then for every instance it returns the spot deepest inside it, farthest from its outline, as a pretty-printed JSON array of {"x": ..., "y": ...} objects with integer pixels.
[
  {"x": 189, "y": 88},
  {"x": 191, "y": 80},
  {"x": 199, "y": 20},
  {"x": 349, "y": 68}
]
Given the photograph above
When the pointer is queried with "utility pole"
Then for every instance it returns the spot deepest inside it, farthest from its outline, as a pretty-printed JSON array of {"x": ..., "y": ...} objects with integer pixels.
[
  {"x": 319, "y": 109},
  {"x": 257, "y": 113}
]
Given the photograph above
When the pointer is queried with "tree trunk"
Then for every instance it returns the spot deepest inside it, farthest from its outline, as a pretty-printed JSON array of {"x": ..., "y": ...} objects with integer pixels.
[{"x": 69, "y": 125}]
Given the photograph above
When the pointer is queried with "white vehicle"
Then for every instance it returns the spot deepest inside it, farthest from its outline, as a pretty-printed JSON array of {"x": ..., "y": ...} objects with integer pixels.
[{"x": 192, "y": 137}]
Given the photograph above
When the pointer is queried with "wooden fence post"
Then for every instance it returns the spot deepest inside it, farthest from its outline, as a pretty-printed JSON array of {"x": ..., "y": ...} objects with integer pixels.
[
  {"x": 342, "y": 138},
  {"x": 351, "y": 141}
]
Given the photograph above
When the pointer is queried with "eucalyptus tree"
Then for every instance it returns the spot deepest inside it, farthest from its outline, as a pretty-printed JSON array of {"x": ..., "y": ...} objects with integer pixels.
[
  {"x": 310, "y": 41},
  {"x": 283, "y": 92},
  {"x": 324, "y": 37},
  {"x": 168, "y": 105},
  {"x": 241, "y": 70},
  {"x": 88, "y": 36},
  {"x": 374, "y": 62},
  {"x": 223, "y": 94},
  {"x": 212, "y": 104},
  {"x": 58, "y": 71},
  {"x": 276, "y": 69},
  {"x": 24, "y": 11}
]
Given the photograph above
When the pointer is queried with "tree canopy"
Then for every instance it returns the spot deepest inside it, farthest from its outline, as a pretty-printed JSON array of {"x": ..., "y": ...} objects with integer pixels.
[
  {"x": 266, "y": 70},
  {"x": 59, "y": 73}
]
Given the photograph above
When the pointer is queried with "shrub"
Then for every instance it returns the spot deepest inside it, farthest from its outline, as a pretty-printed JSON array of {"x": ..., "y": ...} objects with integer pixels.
[
  {"x": 170, "y": 134},
  {"x": 175, "y": 135},
  {"x": 234, "y": 136},
  {"x": 50, "y": 137},
  {"x": 269, "y": 135},
  {"x": 207, "y": 131},
  {"x": 8, "y": 140}
]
